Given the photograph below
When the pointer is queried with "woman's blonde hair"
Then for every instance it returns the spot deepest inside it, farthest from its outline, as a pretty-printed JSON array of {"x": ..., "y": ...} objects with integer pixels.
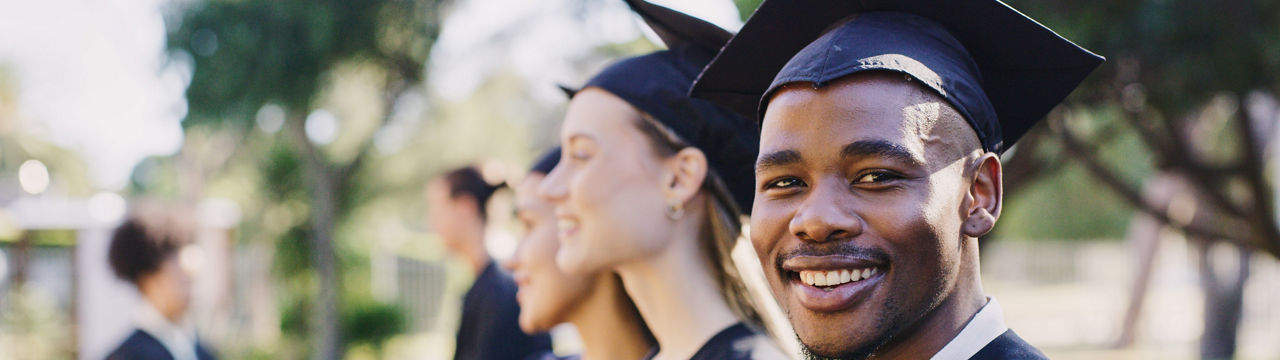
[{"x": 721, "y": 230}]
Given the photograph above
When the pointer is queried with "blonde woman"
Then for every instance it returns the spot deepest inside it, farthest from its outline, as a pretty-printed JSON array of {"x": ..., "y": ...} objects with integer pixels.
[{"x": 650, "y": 185}]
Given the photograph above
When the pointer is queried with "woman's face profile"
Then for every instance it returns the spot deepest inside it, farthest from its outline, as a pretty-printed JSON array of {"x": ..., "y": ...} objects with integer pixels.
[
  {"x": 608, "y": 188},
  {"x": 547, "y": 295}
]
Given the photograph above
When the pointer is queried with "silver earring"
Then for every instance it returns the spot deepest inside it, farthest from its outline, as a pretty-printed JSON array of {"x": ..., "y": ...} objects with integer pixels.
[{"x": 675, "y": 209}]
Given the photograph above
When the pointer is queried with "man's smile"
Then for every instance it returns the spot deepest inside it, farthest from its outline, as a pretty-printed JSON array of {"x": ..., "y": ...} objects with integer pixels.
[{"x": 831, "y": 283}]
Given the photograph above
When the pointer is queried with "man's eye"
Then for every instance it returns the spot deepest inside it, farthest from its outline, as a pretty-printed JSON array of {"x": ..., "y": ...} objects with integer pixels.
[
  {"x": 579, "y": 155},
  {"x": 876, "y": 177},
  {"x": 784, "y": 183}
]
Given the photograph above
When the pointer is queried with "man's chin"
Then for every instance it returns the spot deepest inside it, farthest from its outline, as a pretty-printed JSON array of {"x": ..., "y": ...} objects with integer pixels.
[
  {"x": 838, "y": 336},
  {"x": 839, "y": 351}
]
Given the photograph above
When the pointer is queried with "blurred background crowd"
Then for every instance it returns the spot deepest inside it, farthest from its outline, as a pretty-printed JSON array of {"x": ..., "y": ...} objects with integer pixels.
[{"x": 299, "y": 137}]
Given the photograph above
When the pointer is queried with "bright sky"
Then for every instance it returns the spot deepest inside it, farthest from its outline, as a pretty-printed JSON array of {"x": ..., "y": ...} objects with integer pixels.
[
  {"x": 539, "y": 38},
  {"x": 93, "y": 77}
]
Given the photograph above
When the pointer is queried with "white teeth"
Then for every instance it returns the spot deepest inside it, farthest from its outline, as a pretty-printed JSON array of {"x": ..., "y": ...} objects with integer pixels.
[
  {"x": 835, "y": 277},
  {"x": 565, "y": 224}
]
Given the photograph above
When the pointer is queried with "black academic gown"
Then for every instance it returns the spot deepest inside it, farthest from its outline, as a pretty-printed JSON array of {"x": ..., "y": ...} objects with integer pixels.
[
  {"x": 737, "y": 342},
  {"x": 490, "y": 328},
  {"x": 142, "y": 346},
  {"x": 1008, "y": 346}
]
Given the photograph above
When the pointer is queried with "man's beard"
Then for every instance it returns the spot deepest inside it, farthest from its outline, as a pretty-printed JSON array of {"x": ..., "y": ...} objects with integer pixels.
[{"x": 884, "y": 326}]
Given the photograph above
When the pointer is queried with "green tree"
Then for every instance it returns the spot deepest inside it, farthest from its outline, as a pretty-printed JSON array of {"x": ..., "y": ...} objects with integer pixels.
[
  {"x": 248, "y": 54},
  {"x": 1194, "y": 81}
]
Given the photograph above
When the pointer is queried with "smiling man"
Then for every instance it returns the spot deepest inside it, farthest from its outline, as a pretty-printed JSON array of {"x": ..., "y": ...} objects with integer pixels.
[{"x": 882, "y": 123}]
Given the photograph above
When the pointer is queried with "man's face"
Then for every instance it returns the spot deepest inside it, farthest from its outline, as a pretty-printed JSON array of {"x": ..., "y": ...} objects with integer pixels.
[
  {"x": 449, "y": 216},
  {"x": 861, "y": 196},
  {"x": 168, "y": 288}
]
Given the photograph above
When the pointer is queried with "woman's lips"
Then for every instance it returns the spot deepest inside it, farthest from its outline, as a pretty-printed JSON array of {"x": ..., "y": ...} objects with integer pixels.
[{"x": 567, "y": 226}]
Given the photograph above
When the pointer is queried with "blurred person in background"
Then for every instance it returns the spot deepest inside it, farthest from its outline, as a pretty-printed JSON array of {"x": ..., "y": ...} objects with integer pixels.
[
  {"x": 488, "y": 328},
  {"x": 596, "y": 304},
  {"x": 649, "y": 186},
  {"x": 147, "y": 252},
  {"x": 882, "y": 125}
]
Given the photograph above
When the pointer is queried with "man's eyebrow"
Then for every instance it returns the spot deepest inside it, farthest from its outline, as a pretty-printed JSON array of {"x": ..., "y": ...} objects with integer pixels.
[
  {"x": 880, "y": 148},
  {"x": 777, "y": 158}
]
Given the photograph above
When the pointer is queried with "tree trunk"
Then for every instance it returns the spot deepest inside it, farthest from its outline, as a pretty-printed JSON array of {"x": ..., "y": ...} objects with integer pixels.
[
  {"x": 1144, "y": 233},
  {"x": 326, "y": 338},
  {"x": 1223, "y": 279}
]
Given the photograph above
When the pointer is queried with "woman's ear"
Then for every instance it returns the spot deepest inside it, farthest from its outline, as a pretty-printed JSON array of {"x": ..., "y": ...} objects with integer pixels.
[
  {"x": 688, "y": 169},
  {"x": 985, "y": 196}
]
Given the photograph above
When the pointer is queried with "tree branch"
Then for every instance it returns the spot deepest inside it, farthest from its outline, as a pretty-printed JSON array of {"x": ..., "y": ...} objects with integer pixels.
[
  {"x": 1175, "y": 151},
  {"x": 1078, "y": 148},
  {"x": 1262, "y": 214}
]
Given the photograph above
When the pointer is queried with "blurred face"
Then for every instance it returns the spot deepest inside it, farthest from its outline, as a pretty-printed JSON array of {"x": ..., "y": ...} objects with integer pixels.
[
  {"x": 608, "y": 187},
  {"x": 858, "y": 211},
  {"x": 449, "y": 216},
  {"x": 547, "y": 295},
  {"x": 168, "y": 288}
]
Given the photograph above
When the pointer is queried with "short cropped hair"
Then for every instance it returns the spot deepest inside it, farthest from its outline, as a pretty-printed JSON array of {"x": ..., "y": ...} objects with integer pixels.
[
  {"x": 145, "y": 241},
  {"x": 467, "y": 181}
]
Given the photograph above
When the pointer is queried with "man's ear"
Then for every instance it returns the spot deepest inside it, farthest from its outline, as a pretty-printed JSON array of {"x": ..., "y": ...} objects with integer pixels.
[
  {"x": 985, "y": 197},
  {"x": 687, "y": 170}
]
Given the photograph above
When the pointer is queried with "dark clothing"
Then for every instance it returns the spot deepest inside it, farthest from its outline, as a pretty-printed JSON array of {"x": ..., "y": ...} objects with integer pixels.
[
  {"x": 552, "y": 356},
  {"x": 737, "y": 342},
  {"x": 490, "y": 328},
  {"x": 142, "y": 346},
  {"x": 1008, "y": 346}
]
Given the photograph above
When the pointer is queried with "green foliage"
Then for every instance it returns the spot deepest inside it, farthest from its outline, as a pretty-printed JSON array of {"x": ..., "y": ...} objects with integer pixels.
[
  {"x": 249, "y": 53},
  {"x": 372, "y": 323},
  {"x": 1182, "y": 52},
  {"x": 293, "y": 253},
  {"x": 282, "y": 173},
  {"x": 746, "y": 7},
  {"x": 364, "y": 321}
]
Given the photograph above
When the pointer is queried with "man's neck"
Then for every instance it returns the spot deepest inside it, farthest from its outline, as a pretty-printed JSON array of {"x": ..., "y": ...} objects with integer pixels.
[
  {"x": 474, "y": 254},
  {"x": 679, "y": 298},
  {"x": 609, "y": 326}
]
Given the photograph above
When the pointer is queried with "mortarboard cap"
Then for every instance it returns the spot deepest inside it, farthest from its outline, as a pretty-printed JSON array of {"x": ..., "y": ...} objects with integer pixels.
[
  {"x": 547, "y": 162},
  {"x": 657, "y": 84},
  {"x": 1000, "y": 69}
]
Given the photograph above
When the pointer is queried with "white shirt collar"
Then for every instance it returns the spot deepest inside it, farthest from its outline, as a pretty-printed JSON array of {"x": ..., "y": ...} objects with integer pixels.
[
  {"x": 984, "y": 327},
  {"x": 178, "y": 340}
]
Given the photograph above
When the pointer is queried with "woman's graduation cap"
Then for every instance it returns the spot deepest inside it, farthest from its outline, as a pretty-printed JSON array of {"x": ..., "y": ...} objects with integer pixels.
[
  {"x": 546, "y": 162},
  {"x": 658, "y": 84},
  {"x": 1000, "y": 69}
]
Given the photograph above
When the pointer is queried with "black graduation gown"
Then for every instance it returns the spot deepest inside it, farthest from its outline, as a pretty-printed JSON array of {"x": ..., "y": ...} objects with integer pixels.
[
  {"x": 1008, "y": 346},
  {"x": 737, "y": 342},
  {"x": 142, "y": 346},
  {"x": 490, "y": 328}
]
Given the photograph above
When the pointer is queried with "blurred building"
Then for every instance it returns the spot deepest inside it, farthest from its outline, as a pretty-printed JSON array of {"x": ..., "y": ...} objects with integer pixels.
[{"x": 70, "y": 303}]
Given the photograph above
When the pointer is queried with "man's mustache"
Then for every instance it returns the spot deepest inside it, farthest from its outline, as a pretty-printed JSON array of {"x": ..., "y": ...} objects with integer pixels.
[{"x": 834, "y": 248}]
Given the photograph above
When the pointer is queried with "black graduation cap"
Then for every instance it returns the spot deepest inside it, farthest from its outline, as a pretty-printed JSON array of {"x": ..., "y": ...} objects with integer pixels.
[
  {"x": 658, "y": 84},
  {"x": 547, "y": 161},
  {"x": 1000, "y": 69}
]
